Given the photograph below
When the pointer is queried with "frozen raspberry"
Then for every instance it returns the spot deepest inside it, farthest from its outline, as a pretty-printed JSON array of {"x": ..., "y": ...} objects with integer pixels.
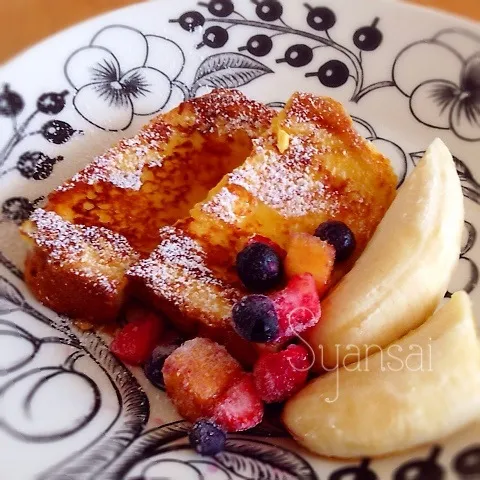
[
  {"x": 207, "y": 438},
  {"x": 240, "y": 408},
  {"x": 297, "y": 306},
  {"x": 261, "y": 239},
  {"x": 136, "y": 340},
  {"x": 279, "y": 375}
]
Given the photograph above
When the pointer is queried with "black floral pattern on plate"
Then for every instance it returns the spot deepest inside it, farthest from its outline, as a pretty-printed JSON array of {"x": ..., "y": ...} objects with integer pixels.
[
  {"x": 110, "y": 87},
  {"x": 34, "y": 165},
  {"x": 445, "y": 95}
]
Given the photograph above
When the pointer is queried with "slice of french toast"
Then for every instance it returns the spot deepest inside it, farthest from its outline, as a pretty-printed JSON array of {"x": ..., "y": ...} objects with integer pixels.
[
  {"x": 99, "y": 223},
  {"x": 310, "y": 166}
]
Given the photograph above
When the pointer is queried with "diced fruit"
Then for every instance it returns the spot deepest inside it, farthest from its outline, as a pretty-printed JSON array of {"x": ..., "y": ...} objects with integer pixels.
[
  {"x": 136, "y": 340},
  {"x": 153, "y": 366},
  {"x": 255, "y": 319},
  {"x": 308, "y": 254},
  {"x": 338, "y": 235},
  {"x": 259, "y": 267},
  {"x": 279, "y": 375},
  {"x": 261, "y": 239},
  {"x": 197, "y": 374},
  {"x": 207, "y": 438},
  {"x": 240, "y": 408},
  {"x": 297, "y": 306}
]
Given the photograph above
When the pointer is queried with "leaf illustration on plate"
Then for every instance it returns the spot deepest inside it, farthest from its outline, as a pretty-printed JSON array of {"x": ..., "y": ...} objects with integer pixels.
[
  {"x": 255, "y": 459},
  {"x": 10, "y": 297},
  {"x": 144, "y": 444},
  {"x": 470, "y": 237},
  {"x": 228, "y": 70}
]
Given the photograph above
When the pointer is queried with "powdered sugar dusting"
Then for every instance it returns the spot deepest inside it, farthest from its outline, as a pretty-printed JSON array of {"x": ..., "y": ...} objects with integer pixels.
[
  {"x": 285, "y": 182},
  {"x": 120, "y": 166},
  {"x": 177, "y": 272},
  {"x": 222, "y": 205},
  {"x": 227, "y": 111},
  {"x": 92, "y": 252}
]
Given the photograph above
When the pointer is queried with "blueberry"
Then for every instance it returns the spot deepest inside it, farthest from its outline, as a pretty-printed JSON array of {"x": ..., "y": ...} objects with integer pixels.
[
  {"x": 207, "y": 438},
  {"x": 339, "y": 236},
  {"x": 259, "y": 267},
  {"x": 255, "y": 319},
  {"x": 215, "y": 37},
  {"x": 153, "y": 366},
  {"x": 368, "y": 38},
  {"x": 11, "y": 103},
  {"x": 268, "y": 10},
  {"x": 258, "y": 45},
  {"x": 320, "y": 18},
  {"x": 189, "y": 21}
]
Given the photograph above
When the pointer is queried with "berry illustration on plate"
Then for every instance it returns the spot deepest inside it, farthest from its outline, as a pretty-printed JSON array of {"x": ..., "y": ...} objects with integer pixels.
[
  {"x": 297, "y": 55},
  {"x": 422, "y": 469},
  {"x": 57, "y": 131},
  {"x": 189, "y": 21},
  {"x": 368, "y": 38},
  {"x": 268, "y": 10},
  {"x": 215, "y": 37},
  {"x": 320, "y": 18},
  {"x": 51, "y": 103},
  {"x": 11, "y": 103},
  {"x": 36, "y": 165},
  {"x": 258, "y": 45},
  {"x": 333, "y": 74},
  {"x": 17, "y": 209},
  {"x": 219, "y": 8}
]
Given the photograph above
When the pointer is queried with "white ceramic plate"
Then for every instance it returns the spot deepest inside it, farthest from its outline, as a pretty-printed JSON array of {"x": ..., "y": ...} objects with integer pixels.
[{"x": 70, "y": 410}]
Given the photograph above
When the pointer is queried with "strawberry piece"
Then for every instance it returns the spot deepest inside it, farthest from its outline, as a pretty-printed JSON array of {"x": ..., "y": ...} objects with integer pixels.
[
  {"x": 197, "y": 374},
  {"x": 261, "y": 239},
  {"x": 277, "y": 376},
  {"x": 240, "y": 408},
  {"x": 309, "y": 254},
  {"x": 297, "y": 306},
  {"x": 134, "y": 343}
]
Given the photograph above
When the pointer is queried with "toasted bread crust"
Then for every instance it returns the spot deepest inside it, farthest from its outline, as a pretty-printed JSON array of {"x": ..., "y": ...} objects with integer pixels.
[
  {"x": 326, "y": 172},
  {"x": 143, "y": 183}
]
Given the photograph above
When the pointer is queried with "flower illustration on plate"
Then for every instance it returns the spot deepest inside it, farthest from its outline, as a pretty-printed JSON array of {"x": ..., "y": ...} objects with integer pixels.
[
  {"x": 123, "y": 73},
  {"x": 445, "y": 92}
]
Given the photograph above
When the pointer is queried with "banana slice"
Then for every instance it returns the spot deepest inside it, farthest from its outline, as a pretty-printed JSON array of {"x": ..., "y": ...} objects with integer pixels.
[
  {"x": 404, "y": 271},
  {"x": 420, "y": 389}
]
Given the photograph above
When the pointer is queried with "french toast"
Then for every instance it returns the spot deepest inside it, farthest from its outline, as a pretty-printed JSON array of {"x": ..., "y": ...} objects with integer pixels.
[
  {"x": 308, "y": 167},
  {"x": 100, "y": 222}
]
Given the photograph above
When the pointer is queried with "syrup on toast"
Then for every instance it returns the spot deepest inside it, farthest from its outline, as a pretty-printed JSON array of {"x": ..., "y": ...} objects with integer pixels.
[
  {"x": 97, "y": 224},
  {"x": 310, "y": 166}
]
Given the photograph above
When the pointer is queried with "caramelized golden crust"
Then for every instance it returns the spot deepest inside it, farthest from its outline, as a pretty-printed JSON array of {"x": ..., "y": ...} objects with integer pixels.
[
  {"x": 154, "y": 178},
  {"x": 310, "y": 166},
  {"x": 74, "y": 269},
  {"x": 141, "y": 184}
]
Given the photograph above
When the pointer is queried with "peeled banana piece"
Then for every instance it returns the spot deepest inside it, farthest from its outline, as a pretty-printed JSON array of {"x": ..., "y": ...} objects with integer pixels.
[
  {"x": 404, "y": 271},
  {"x": 418, "y": 390}
]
